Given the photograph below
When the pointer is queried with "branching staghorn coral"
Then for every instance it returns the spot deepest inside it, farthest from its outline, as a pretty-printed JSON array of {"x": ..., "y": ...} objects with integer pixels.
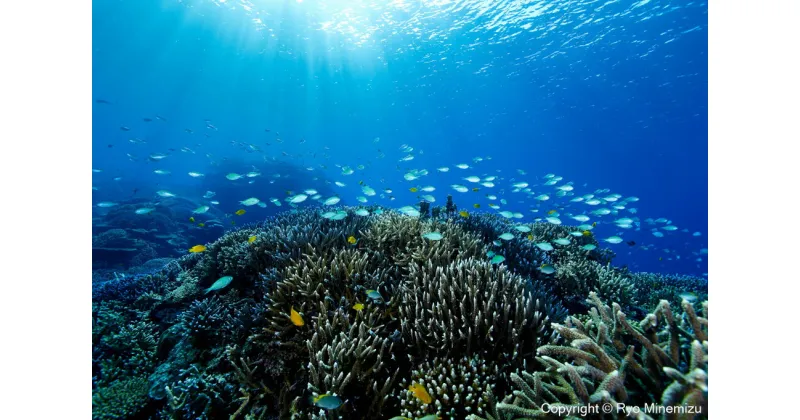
[
  {"x": 458, "y": 388},
  {"x": 399, "y": 237},
  {"x": 578, "y": 277},
  {"x": 335, "y": 278},
  {"x": 543, "y": 295},
  {"x": 455, "y": 244},
  {"x": 608, "y": 360},
  {"x": 347, "y": 356},
  {"x": 470, "y": 306},
  {"x": 396, "y": 236},
  {"x": 614, "y": 286}
]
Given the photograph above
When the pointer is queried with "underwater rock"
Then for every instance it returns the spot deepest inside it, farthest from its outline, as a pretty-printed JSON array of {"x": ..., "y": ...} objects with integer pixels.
[{"x": 117, "y": 248}]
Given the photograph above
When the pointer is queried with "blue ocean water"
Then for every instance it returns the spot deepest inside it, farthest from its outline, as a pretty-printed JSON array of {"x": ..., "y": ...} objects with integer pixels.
[{"x": 608, "y": 95}]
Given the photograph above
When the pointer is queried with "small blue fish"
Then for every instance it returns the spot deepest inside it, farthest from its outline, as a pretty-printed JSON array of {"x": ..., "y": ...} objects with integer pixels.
[
  {"x": 374, "y": 294},
  {"x": 328, "y": 402},
  {"x": 547, "y": 269},
  {"x": 433, "y": 236},
  {"x": 506, "y": 236},
  {"x": 497, "y": 259},
  {"x": 222, "y": 283}
]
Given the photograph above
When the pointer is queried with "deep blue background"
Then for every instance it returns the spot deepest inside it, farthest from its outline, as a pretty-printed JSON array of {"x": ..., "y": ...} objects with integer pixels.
[{"x": 619, "y": 102}]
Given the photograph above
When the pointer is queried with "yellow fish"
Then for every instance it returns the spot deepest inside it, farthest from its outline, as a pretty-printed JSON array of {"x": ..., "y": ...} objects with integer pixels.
[
  {"x": 530, "y": 237},
  {"x": 201, "y": 224},
  {"x": 251, "y": 239},
  {"x": 191, "y": 219},
  {"x": 240, "y": 212},
  {"x": 421, "y": 393},
  {"x": 476, "y": 189},
  {"x": 358, "y": 307},
  {"x": 296, "y": 318},
  {"x": 463, "y": 213},
  {"x": 587, "y": 233},
  {"x": 197, "y": 248},
  {"x": 477, "y": 206},
  {"x": 594, "y": 224},
  {"x": 551, "y": 212},
  {"x": 352, "y": 240},
  {"x": 413, "y": 189}
]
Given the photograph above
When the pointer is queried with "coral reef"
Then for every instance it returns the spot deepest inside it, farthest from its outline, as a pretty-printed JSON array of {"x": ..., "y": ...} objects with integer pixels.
[
  {"x": 123, "y": 398},
  {"x": 346, "y": 354},
  {"x": 577, "y": 270},
  {"x": 470, "y": 306},
  {"x": 457, "y": 387},
  {"x": 653, "y": 288},
  {"x": 663, "y": 359},
  {"x": 350, "y": 318}
]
